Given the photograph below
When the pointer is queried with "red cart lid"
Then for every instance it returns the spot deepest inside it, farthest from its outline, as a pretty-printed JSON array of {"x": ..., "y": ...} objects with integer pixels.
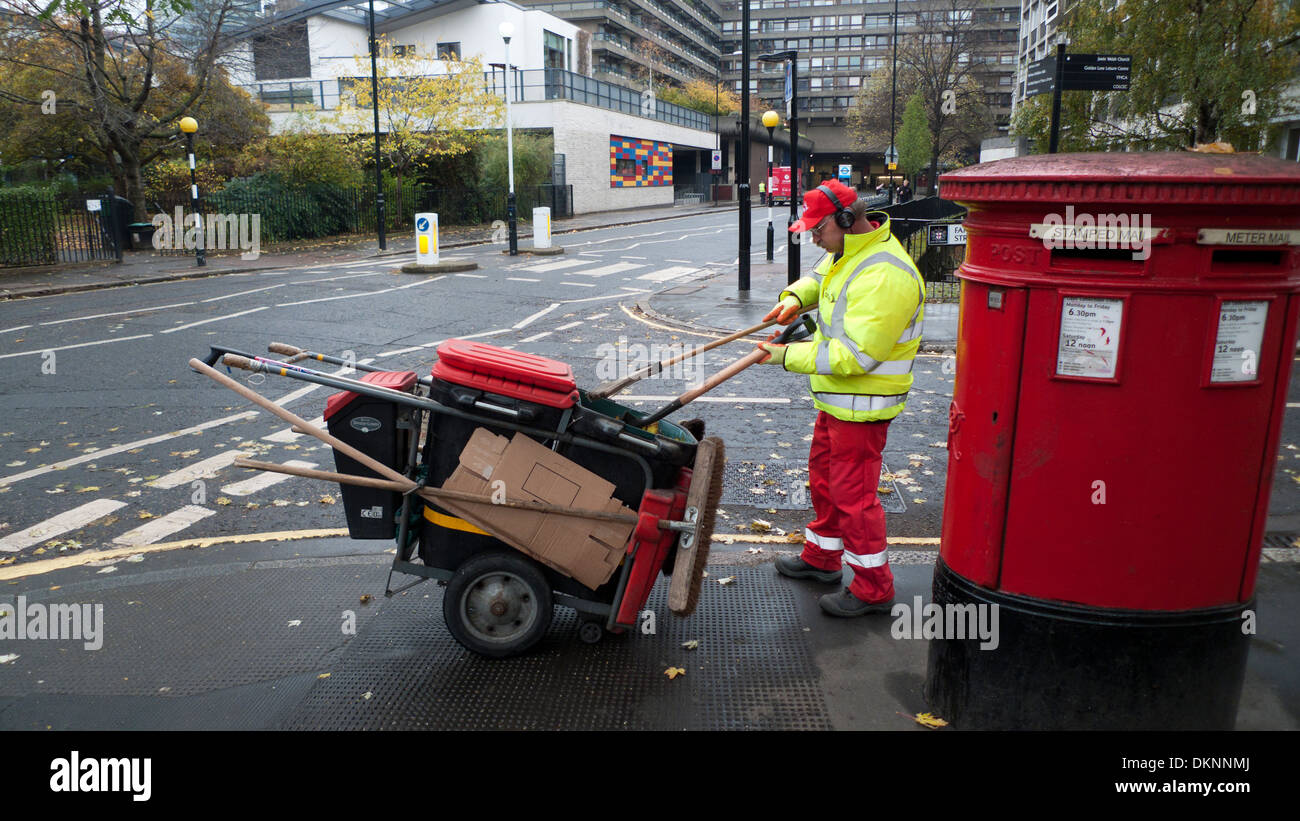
[
  {"x": 397, "y": 380},
  {"x": 509, "y": 373}
]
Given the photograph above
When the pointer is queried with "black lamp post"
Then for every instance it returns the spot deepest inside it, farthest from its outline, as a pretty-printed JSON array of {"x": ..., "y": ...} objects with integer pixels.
[
  {"x": 891, "y": 156},
  {"x": 792, "y": 247},
  {"x": 742, "y": 151},
  {"x": 189, "y": 125},
  {"x": 374, "y": 98},
  {"x": 770, "y": 119}
]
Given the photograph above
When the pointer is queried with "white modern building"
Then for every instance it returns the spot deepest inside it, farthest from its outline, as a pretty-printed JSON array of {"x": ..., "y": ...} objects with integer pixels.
[{"x": 621, "y": 147}]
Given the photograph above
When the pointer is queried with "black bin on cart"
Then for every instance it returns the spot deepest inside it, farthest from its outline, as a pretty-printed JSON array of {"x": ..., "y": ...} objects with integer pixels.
[{"x": 370, "y": 424}]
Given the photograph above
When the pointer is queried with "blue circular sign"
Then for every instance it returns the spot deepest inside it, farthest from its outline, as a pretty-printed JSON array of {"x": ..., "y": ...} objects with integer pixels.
[{"x": 422, "y": 224}]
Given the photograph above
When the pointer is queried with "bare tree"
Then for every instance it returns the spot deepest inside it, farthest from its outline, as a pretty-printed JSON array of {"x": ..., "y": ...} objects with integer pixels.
[{"x": 941, "y": 62}]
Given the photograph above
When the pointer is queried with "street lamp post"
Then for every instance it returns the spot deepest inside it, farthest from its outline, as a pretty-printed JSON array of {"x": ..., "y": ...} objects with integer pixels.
[
  {"x": 770, "y": 119},
  {"x": 890, "y": 154},
  {"x": 742, "y": 151},
  {"x": 507, "y": 30},
  {"x": 792, "y": 243},
  {"x": 374, "y": 98},
  {"x": 189, "y": 125}
]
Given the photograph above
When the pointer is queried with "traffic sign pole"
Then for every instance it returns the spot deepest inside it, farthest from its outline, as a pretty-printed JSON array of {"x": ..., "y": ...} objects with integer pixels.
[{"x": 1054, "y": 139}]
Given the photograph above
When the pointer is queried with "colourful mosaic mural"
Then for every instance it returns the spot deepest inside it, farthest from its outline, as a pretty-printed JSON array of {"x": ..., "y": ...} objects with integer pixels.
[{"x": 636, "y": 163}]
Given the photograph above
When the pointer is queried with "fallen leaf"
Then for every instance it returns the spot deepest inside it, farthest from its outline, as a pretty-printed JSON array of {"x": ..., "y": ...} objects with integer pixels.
[
  {"x": 367, "y": 695},
  {"x": 754, "y": 550},
  {"x": 323, "y": 675},
  {"x": 928, "y": 720},
  {"x": 365, "y": 599},
  {"x": 16, "y": 463},
  {"x": 144, "y": 514},
  {"x": 33, "y": 450},
  {"x": 5, "y": 659},
  {"x": 326, "y": 500},
  {"x": 109, "y": 569},
  {"x": 760, "y": 526},
  {"x": 223, "y": 501},
  {"x": 90, "y": 489},
  {"x": 727, "y": 580},
  {"x": 671, "y": 672},
  {"x": 693, "y": 644}
]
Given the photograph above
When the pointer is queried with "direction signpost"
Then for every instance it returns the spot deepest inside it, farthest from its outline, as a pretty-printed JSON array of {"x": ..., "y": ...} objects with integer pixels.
[{"x": 1075, "y": 72}]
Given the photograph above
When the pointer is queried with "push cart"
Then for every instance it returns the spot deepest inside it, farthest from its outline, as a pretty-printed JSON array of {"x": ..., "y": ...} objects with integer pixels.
[{"x": 397, "y": 437}]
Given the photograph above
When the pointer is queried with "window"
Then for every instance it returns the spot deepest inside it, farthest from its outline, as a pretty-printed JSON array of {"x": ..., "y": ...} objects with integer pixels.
[
  {"x": 404, "y": 51},
  {"x": 625, "y": 168},
  {"x": 450, "y": 51},
  {"x": 555, "y": 50}
]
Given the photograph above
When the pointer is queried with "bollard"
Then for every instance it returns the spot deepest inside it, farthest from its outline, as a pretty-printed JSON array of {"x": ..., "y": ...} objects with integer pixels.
[
  {"x": 426, "y": 239},
  {"x": 541, "y": 228}
]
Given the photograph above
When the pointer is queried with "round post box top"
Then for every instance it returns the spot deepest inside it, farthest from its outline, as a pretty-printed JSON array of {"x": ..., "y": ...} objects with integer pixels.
[{"x": 1174, "y": 178}]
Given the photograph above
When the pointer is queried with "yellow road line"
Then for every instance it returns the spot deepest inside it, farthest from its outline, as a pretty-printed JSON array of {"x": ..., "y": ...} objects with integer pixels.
[{"x": 37, "y": 568}]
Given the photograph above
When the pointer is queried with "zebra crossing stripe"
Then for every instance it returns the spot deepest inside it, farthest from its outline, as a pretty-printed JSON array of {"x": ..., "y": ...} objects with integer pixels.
[
  {"x": 262, "y": 481},
  {"x": 164, "y": 526},
  {"x": 56, "y": 526},
  {"x": 665, "y": 274},
  {"x": 557, "y": 266},
  {"x": 606, "y": 270},
  {"x": 287, "y": 435},
  {"x": 204, "y": 469}
]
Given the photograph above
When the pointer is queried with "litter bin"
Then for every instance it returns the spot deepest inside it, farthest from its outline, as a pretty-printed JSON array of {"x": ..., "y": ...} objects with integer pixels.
[
  {"x": 379, "y": 429},
  {"x": 1124, "y": 348}
]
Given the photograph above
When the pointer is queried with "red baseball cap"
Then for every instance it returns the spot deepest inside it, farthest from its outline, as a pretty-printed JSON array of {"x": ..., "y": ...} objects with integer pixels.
[{"x": 817, "y": 206}]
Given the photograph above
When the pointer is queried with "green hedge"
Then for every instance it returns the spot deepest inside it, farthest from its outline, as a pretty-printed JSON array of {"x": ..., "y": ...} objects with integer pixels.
[{"x": 28, "y": 226}]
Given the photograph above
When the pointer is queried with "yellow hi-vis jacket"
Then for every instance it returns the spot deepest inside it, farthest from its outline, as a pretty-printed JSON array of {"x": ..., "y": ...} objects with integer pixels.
[{"x": 870, "y": 306}]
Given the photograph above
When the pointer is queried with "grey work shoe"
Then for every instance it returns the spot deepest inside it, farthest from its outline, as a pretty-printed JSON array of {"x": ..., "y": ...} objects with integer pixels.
[
  {"x": 796, "y": 568},
  {"x": 846, "y": 604}
]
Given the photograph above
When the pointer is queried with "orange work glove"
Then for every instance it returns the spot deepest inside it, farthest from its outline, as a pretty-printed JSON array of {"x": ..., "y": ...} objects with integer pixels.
[
  {"x": 785, "y": 312},
  {"x": 775, "y": 351}
]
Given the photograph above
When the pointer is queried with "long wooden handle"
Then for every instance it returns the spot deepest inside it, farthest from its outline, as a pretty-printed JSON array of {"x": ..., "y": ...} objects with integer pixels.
[
  {"x": 433, "y": 494},
  {"x": 611, "y": 388},
  {"x": 338, "y": 444},
  {"x": 723, "y": 375}
]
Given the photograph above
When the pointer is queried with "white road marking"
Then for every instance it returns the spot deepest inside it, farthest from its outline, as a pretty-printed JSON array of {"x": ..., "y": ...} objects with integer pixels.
[
  {"x": 521, "y": 279},
  {"x": 243, "y": 293},
  {"x": 117, "y": 313},
  {"x": 341, "y": 276},
  {"x": 666, "y": 274},
  {"x": 596, "y": 316},
  {"x": 78, "y": 345},
  {"x": 287, "y": 435},
  {"x": 440, "y": 341},
  {"x": 205, "y": 469},
  {"x": 530, "y": 320},
  {"x": 354, "y": 296},
  {"x": 264, "y": 480},
  {"x": 15, "y": 328},
  {"x": 74, "y": 519},
  {"x": 535, "y": 337},
  {"x": 605, "y": 270},
  {"x": 214, "y": 319},
  {"x": 631, "y": 257},
  {"x": 158, "y": 529},
  {"x": 682, "y": 261},
  {"x": 580, "y": 284},
  {"x": 570, "y": 325},
  {"x": 766, "y": 400},
  {"x": 100, "y": 454},
  {"x": 557, "y": 266},
  {"x": 473, "y": 276}
]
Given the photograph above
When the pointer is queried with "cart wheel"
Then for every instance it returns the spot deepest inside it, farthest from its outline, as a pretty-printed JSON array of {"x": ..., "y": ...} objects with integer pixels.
[
  {"x": 591, "y": 632},
  {"x": 498, "y": 604}
]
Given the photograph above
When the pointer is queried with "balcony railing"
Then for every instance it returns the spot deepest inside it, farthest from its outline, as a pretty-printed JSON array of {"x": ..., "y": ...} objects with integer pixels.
[{"x": 531, "y": 86}]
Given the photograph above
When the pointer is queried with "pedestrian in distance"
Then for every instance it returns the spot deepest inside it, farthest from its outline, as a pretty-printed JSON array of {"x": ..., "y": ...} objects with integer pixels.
[
  {"x": 870, "y": 301},
  {"x": 905, "y": 191}
]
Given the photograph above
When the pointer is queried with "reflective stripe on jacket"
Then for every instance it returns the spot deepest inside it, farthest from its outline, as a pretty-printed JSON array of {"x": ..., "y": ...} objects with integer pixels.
[{"x": 870, "y": 307}]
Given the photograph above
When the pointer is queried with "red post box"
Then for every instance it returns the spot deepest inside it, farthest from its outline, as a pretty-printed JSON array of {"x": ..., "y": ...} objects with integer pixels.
[{"x": 1124, "y": 347}]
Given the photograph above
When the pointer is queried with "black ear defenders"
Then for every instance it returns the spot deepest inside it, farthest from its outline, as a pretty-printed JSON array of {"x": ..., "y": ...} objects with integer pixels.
[{"x": 844, "y": 218}]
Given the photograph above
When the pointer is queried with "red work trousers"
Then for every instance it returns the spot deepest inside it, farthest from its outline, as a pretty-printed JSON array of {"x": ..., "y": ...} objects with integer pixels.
[{"x": 843, "y": 472}]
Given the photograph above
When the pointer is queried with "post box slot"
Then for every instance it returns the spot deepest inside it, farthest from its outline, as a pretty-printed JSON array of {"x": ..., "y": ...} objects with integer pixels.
[
  {"x": 1100, "y": 260},
  {"x": 1240, "y": 259}
]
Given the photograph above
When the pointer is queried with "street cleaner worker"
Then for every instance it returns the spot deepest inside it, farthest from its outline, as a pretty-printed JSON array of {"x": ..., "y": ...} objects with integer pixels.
[{"x": 870, "y": 302}]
